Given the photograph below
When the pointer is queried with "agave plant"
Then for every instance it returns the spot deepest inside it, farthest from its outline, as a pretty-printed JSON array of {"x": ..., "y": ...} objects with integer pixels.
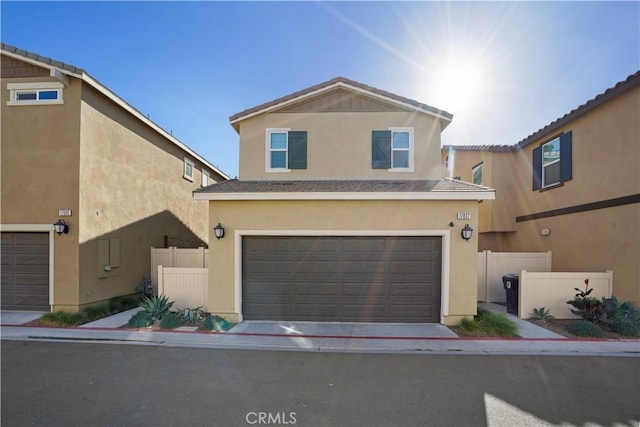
[
  {"x": 156, "y": 306},
  {"x": 191, "y": 315},
  {"x": 541, "y": 314}
]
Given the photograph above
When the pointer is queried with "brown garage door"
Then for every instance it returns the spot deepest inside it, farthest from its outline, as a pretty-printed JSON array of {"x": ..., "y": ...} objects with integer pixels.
[
  {"x": 25, "y": 271},
  {"x": 341, "y": 279}
]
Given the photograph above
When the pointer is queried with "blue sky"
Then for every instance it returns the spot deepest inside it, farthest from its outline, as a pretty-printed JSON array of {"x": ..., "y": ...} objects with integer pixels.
[{"x": 504, "y": 69}]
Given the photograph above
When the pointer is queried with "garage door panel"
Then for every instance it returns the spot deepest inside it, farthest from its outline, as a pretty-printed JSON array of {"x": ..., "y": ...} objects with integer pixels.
[
  {"x": 358, "y": 245},
  {"x": 367, "y": 288},
  {"x": 373, "y": 312},
  {"x": 317, "y": 289},
  {"x": 318, "y": 246},
  {"x": 410, "y": 267},
  {"x": 315, "y": 267},
  {"x": 362, "y": 279},
  {"x": 270, "y": 266},
  {"x": 411, "y": 289},
  {"x": 25, "y": 271},
  {"x": 268, "y": 288},
  {"x": 318, "y": 309},
  {"x": 364, "y": 267},
  {"x": 271, "y": 311}
]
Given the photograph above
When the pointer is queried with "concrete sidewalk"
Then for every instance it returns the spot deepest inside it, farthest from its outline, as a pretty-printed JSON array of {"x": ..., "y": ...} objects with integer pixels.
[
  {"x": 323, "y": 337},
  {"x": 230, "y": 340}
]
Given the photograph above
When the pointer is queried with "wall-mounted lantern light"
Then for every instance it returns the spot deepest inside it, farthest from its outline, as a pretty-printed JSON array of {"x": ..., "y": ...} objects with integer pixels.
[
  {"x": 219, "y": 231},
  {"x": 466, "y": 232},
  {"x": 61, "y": 227}
]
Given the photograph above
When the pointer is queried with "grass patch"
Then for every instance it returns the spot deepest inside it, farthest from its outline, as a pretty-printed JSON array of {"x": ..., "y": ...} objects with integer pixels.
[
  {"x": 63, "y": 318},
  {"x": 89, "y": 314},
  {"x": 488, "y": 324}
]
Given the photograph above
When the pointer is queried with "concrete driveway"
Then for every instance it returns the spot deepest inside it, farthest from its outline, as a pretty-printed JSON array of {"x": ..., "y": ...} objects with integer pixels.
[{"x": 346, "y": 329}]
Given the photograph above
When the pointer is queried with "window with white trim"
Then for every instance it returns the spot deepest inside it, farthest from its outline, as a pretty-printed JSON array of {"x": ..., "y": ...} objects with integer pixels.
[
  {"x": 188, "y": 169},
  {"x": 285, "y": 150},
  {"x": 205, "y": 178},
  {"x": 35, "y": 93},
  {"x": 551, "y": 163},
  {"x": 392, "y": 149},
  {"x": 277, "y": 147},
  {"x": 476, "y": 174}
]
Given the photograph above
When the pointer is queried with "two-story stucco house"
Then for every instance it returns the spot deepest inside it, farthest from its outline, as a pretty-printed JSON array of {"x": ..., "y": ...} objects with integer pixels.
[
  {"x": 340, "y": 213},
  {"x": 75, "y": 152},
  {"x": 572, "y": 187}
]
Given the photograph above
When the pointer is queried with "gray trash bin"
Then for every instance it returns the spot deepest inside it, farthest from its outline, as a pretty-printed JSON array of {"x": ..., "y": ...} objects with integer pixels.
[{"x": 511, "y": 283}]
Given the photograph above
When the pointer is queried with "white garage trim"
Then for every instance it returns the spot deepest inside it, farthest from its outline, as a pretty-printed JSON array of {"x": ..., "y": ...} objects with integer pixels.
[
  {"x": 444, "y": 234},
  {"x": 30, "y": 228}
]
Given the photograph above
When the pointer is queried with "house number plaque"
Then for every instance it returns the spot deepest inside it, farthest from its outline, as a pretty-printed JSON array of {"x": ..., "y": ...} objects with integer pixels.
[{"x": 464, "y": 215}]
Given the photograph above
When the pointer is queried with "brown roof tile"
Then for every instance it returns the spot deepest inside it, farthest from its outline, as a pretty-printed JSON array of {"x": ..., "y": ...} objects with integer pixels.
[
  {"x": 419, "y": 105},
  {"x": 340, "y": 186}
]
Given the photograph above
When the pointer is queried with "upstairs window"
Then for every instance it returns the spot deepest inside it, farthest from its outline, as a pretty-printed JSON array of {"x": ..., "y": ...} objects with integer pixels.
[
  {"x": 392, "y": 149},
  {"x": 35, "y": 93},
  {"x": 188, "y": 169},
  {"x": 476, "y": 174},
  {"x": 286, "y": 150},
  {"x": 552, "y": 162},
  {"x": 205, "y": 178}
]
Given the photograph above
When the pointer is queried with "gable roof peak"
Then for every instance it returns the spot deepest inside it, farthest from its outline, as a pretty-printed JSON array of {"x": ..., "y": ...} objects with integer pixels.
[{"x": 340, "y": 81}]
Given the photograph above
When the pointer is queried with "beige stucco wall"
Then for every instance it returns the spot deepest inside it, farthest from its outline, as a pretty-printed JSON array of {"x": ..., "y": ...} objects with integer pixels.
[
  {"x": 605, "y": 165},
  {"x": 342, "y": 215},
  {"x": 121, "y": 180},
  {"x": 131, "y": 188},
  {"x": 339, "y": 145},
  {"x": 39, "y": 160}
]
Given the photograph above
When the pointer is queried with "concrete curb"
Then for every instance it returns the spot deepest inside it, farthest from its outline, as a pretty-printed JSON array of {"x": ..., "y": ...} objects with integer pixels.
[{"x": 333, "y": 344}]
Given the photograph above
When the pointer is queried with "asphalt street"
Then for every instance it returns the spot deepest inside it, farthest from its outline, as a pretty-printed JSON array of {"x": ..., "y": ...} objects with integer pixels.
[{"x": 53, "y": 384}]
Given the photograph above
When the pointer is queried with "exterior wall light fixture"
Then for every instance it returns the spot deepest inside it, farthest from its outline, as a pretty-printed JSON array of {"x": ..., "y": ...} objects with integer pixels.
[
  {"x": 219, "y": 231},
  {"x": 466, "y": 232},
  {"x": 61, "y": 227}
]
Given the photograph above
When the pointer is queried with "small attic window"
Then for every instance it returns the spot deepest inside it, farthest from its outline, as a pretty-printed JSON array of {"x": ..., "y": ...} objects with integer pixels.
[{"x": 35, "y": 93}]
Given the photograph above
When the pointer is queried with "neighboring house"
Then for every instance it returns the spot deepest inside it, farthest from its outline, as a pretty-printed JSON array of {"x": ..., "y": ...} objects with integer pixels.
[
  {"x": 341, "y": 213},
  {"x": 73, "y": 150},
  {"x": 572, "y": 188}
]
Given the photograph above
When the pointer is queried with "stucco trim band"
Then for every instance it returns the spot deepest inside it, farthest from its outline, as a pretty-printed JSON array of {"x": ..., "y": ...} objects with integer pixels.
[{"x": 445, "y": 262}]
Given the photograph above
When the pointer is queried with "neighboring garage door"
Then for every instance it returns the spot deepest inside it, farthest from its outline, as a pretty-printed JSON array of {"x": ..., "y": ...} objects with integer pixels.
[
  {"x": 25, "y": 271},
  {"x": 341, "y": 279}
]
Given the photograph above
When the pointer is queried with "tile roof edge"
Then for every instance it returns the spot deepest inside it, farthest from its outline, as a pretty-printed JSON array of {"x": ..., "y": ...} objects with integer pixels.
[{"x": 329, "y": 83}]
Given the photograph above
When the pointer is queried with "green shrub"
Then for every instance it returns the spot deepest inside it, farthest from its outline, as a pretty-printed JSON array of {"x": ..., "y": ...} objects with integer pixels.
[
  {"x": 541, "y": 314},
  {"x": 63, "y": 318},
  {"x": 156, "y": 306},
  {"x": 584, "y": 328},
  {"x": 216, "y": 323},
  {"x": 96, "y": 312},
  {"x": 626, "y": 328},
  {"x": 170, "y": 321},
  {"x": 191, "y": 315},
  {"x": 141, "y": 319},
  {"x": 118, "y": 304},
  {"x": 486, "y": 323}
]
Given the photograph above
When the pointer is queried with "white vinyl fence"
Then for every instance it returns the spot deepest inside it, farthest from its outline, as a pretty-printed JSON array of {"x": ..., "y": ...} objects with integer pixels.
[
  {"x": 493, "y": 265},
  {"x": 176, "y": 257},
  {"x": 553, "y": 290},
  {"x": 188, "y": 287}
]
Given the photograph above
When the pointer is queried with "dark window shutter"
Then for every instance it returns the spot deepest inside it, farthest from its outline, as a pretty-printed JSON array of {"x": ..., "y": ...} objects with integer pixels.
[
  {"x": 381, "y": 149},
  {"x": 565, "y": 157},
  {"x": 298, "y": 149},
  {"x": 537, "y": 168}
]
